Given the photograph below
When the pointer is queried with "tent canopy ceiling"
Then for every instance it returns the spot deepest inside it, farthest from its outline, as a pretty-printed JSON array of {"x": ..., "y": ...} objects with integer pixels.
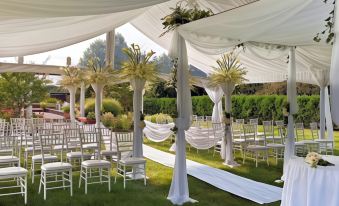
[{"x": 30, "y": 30}]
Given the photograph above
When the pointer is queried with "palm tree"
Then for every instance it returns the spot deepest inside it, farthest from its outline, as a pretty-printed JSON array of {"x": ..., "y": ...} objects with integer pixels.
[{"x": 229, "y": 73}]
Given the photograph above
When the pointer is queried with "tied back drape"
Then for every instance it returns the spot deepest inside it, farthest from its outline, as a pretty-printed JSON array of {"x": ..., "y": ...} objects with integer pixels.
[
  {"x": 335, "y": 69},
  {"x": 215, "y": 94},
  {"x": 98, "y": 88},
  {"x": 72, "y": 90},
  {"x": 178, "y": 193},
  {"x": 138, "y": 86}
]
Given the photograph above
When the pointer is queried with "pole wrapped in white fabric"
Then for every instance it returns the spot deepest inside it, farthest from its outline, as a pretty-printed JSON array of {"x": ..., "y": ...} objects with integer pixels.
[
  {"x": 82, "y": 99},
  {"x": 110, "y": 48},
  {"x": 178, "y": 193},
  {"x": 292, "y": 100},
  {"x": 138, "y": 86},
  {"x": 97, "y": 87},
  {"x": 329, "y": 123},
  {"x": 322, "y": 112},
  {"x": 227, "y": 143},
  {"x": 334, "y": 71},
  {"x": 215, "y": 94},
  {"x": 72, "y": 91}
]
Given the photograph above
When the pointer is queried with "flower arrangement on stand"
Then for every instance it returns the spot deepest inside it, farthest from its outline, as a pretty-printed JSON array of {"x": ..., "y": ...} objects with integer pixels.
[{"x": 314, "y": 159}]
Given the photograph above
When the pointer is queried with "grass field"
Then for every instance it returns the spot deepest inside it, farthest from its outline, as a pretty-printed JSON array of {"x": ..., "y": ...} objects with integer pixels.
[{"x": 158, "y": 184}]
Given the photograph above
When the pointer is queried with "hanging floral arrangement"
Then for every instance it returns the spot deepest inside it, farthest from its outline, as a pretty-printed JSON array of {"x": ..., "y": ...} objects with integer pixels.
[
  {"x": 70, "y": 76},
  {"x": 181, "y": 15}
]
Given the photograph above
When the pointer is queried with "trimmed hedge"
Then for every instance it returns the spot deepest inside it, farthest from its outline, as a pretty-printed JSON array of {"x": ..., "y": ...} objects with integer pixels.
[
  {"x": 243, "y": 107},
  {"x": 108, "y": 105}
]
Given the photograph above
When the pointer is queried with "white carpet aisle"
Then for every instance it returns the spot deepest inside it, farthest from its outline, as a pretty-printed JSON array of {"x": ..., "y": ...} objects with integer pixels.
[{"x": 255, "y": 191}]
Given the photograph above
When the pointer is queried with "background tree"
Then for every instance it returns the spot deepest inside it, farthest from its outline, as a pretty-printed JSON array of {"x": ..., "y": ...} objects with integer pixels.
[
  {"x": 98, "y": 49},
  {"x": 17, "y": 90}
]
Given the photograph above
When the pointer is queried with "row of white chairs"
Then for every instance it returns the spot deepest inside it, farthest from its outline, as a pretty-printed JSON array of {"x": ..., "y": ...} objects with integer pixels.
[{"x": 57, "y": 146}]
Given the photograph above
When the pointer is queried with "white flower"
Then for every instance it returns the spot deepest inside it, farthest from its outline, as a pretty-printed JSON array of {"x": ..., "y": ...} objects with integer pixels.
[{"x": 313, "y": 158}]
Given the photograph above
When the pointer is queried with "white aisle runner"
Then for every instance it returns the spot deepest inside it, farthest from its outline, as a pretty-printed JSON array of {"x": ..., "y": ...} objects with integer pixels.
[{"x": 249, "y": 189}]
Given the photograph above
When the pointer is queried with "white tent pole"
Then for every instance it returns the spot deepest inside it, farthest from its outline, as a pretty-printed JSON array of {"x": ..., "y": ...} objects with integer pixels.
[
  {"x": 329, "y": 124},
  {"x": 72, "y": 90},
  {"x": 291, "y": 98},
  {"x": 334, "y": 71},
  {"x": 322, "y": 112},
  {"x": 29, "y": 109},
  {"x": 110, "y": 48},
  {"x": 82, "y": 99},
  {"x": 179, "y": 193},
  {"x": 97, "y": 87}
]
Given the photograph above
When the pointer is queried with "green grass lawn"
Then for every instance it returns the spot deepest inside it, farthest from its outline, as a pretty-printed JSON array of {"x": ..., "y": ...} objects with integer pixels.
[{"x": 158, "y": 184}]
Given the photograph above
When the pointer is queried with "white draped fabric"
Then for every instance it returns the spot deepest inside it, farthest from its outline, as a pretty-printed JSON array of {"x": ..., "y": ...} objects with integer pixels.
[
  {"x": 20, "y": 9},
  {"x": 72, "y": 90},
  {"x": 138, "y": 86},
  {"x": 98, "y": 88},
  {"x": 35, "y": 35},
  {"x": 157, "y": 132},
  {"x": 335, "y": 69},
  {"x": 200, "y": 138},
  {"x": 82, "y": 98},
  {"x": 215, "y": 94},
  {"x": 292, "y": 100},
  {"x": 178, "y": 193},
  {"x": 45, "y": 69}
]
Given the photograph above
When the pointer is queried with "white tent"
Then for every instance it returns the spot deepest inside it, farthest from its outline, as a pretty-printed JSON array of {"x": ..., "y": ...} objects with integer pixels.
[{"x": 269, "y": 30}]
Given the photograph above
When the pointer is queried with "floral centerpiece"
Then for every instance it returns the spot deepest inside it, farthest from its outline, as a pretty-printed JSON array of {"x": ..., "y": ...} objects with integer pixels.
[{"x": 315, "y": 159}]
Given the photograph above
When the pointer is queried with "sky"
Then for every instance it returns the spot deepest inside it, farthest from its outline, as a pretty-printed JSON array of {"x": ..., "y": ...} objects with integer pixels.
[{"x": 58, "y": 57}]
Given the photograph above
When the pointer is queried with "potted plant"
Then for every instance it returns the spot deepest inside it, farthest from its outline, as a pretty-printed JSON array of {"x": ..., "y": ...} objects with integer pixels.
[
  {"x": 66, "y": 110},
  {"x": 90, "y": 118},
  {"x": 43, "y": 106}
]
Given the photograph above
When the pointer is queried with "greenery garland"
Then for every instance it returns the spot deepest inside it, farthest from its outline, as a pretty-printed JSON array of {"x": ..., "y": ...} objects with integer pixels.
[
  {"x": 329, "y": 24},
  {"x": 181, "y": 16}
]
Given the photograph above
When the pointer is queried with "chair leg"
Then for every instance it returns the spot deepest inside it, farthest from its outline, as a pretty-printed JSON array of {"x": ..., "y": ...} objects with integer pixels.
[
  {"x": 63, "y": 180},
  {"x": 145, "y": 174},
  {"x": 71, "y": 182},
  {"x": 100, "y": 174},
  {"x": 25, "y": 189},
  {"x": 86, "y": 181},
  {"x": 116, "y": 174},
  {"x": 109, "y": 178},
  {"x": 80, "y": 179},
  {"x": 45, "y": 190},
  {"x": 124, "y": 176},
  {"x": 40, "y": 183},
  {"x": 32, "y": 171}
]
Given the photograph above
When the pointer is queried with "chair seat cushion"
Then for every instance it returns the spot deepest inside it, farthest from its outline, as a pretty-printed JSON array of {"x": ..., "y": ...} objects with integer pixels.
[
  {"x": 9, "y": 159},
  {"x": 56, "y": 166},
  {"x": 12, "y": 171},
  {"x": 274, "y": 145},
  {"x": 46, "y": 156},
  {"x": 324, "y": 140},
  {"x": 78, "y": 155},
  {"x": 239, "y": 140},
  {"x": 133, "y": 160},
  {"x": 108, "y": 152},
  {"x": 90, "y": 146},
  {"x": 96, "y": 163},
  {"x": 256, "y": 147}
]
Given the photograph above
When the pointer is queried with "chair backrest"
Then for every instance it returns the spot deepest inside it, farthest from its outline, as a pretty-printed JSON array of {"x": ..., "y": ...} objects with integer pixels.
[
  {"x": 237, "y": 129},
  {"x": 279, "y": 123},
  {"x": 282, "y": 132},
  {"x": 124, "y": 142},
  {"x": 8, "y": 145},
  {"x": 106, "y": 136},
  {"x": 250, "y": 133},
  {"x": 268, "y": 128},
  {"x": 38, "y": 121},
  {"x": 87, "y": 138},
  {"x": 254, "y": 121},
  {"x": 299, "y": 131},
  {"x": 72, "y": 138},
  {"x": 314, "y": 130},
  {"x": 4, "y": 128},
  {"x": 218, "y": 131},
  {"x": 208, "y": 118},
  {"x": 240, "y": 121},
  {"x": 48, "y": 142}
]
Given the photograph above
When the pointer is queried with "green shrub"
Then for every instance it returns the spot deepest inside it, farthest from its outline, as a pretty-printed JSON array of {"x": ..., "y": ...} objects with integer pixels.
[
  {"x": 108, "y": 105},
  {"x": 162, "y": 118},
  {"x": 123, "y": 122},
  {"x": 66, "y": 109},
  {"x": 51, "y": 100},
  {"x": 43, "y": 105},
  {"x": 90, "y": 116},
  {"x": 264, "y": 107},
  {"x": 107, "y": 119}
]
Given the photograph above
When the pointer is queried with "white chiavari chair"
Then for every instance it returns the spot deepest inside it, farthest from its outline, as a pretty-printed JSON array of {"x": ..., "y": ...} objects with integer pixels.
[
  {"x": 219, "y": 134},
  {"x": 325, "y": 145},
  {"x": 138, "y": 164},
  {"x": 51, "y": 171},
  {"x": 87, "y": 166}
]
